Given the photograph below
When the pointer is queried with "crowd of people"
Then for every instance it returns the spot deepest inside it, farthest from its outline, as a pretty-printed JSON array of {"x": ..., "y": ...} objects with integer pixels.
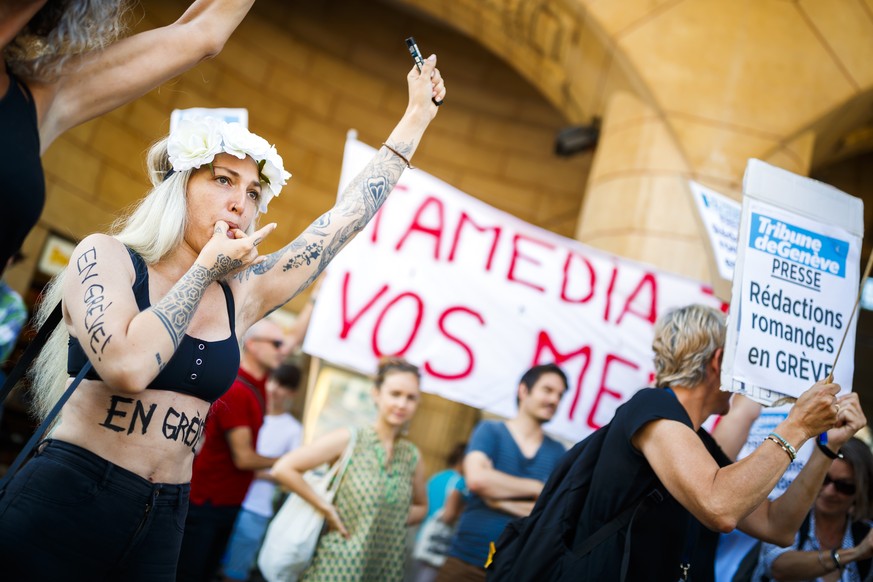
[{"x": 171, "y": 458}]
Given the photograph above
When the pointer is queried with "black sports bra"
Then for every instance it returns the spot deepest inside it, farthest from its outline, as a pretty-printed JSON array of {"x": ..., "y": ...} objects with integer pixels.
[{"x": 198, "y": 368}]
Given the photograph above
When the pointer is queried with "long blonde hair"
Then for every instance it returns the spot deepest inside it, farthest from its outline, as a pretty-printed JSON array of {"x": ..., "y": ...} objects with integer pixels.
[{"x": 153, "y": 228}]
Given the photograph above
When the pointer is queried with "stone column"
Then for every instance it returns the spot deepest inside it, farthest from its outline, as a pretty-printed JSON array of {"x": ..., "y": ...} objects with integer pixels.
[{"x": 638, "y": 204}]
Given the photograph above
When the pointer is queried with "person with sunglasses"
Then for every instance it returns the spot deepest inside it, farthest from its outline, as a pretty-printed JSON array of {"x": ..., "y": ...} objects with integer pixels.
[{"x": 835, "y": 541}]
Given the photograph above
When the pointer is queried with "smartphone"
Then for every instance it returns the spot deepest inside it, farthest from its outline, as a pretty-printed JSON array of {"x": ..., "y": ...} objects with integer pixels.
[
  {"x": 419, "y": 61},
  {"x": 416, "y": 54}
]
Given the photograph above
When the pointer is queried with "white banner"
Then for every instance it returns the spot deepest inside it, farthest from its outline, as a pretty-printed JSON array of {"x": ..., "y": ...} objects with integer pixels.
[
  {"x": 796, "y": 281},
  {"x": 721, "y": 217},
  {"x": 476, "y": 297}
]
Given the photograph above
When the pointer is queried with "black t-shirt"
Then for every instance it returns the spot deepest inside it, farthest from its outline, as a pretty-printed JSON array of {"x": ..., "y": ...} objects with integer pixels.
[
  {"x": 620, "y": 479},
  {"x": 660, "y": 536}
]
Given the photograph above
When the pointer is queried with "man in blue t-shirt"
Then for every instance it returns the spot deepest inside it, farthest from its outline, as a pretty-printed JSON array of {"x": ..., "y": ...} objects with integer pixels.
[{"x": 505, "y": 468}]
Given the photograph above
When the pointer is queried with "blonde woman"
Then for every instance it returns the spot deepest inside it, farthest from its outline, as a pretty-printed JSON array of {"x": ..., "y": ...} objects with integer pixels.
[
  {"x": 158, "y": 309},
  {"x": 383, "y": 489}
]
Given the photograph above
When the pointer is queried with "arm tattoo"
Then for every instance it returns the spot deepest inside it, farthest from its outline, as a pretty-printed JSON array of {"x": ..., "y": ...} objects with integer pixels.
[
  {"x": 321, "y": 242},
  {"x": 177, "y": 309},
  {"x": 95, "y": 303}
]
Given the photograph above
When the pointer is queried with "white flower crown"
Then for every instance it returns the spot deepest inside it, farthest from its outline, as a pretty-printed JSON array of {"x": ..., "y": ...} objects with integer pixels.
[{"x": 195, "y": 142}]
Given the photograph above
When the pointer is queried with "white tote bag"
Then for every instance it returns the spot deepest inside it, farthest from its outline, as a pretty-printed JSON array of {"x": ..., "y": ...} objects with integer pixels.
[
  {"x": 435, "y": 537},
  {"x": 291, "y": 538}
]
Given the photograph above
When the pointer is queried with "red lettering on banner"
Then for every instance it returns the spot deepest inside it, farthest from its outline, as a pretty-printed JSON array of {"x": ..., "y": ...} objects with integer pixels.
[
  {"x": 471, "y": 358},
  {"x": 648, "y": 281},
  {"x": 349, "y": 323},
  {"x": 415, "y": 327},
  {"x": 516, "y": 254},
  {"x": 545, "y": 342},
  {"x": 592, "y": 278},
  {"x": 435, "y": 231},
  {"x": 609, "y": 291},
  {"x": 465, "y": 219},
  {"x": 377, "y": 220},
  {"x": 603, "y": 389}
]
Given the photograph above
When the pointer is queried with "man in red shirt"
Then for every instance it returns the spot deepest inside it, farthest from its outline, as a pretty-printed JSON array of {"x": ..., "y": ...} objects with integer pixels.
[{"x": 225, "y": 465}]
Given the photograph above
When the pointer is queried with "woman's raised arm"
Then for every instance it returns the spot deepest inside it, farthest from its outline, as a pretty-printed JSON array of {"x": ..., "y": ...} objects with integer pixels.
[
  {"x": 271, "y": 284},
  {"x": 721, "y": 497}
]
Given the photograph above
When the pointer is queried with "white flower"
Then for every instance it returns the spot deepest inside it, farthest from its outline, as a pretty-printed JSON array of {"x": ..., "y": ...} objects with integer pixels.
[
  {"x": 194, "y": 143},
  {"x": 240, "y": 142},
  {"x": 197, "y": 141},
  {"x": 275, "y": 174}
]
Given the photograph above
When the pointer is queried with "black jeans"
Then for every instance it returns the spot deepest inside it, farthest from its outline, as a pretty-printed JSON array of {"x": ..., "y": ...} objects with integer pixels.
[{"x": 72, "y": 515}]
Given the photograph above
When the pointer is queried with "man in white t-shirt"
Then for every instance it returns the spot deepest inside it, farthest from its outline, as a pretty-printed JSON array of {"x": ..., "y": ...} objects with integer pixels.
[{"x": 280, "y": 433}]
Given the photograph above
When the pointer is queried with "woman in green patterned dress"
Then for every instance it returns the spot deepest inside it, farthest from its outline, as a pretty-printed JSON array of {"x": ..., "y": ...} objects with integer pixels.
[{"x": 383, "y": 490}]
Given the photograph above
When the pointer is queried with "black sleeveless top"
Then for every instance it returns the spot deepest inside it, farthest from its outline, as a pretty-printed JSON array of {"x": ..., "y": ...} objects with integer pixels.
[
  {"x": 22, "y": 182},
  {"x": 198, "y": 368}
]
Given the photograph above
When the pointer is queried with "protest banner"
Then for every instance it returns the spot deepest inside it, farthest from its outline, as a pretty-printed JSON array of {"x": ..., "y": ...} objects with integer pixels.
[
  {"x": 476, "y": 296},
  {"x": 720, "y": 218},
  {"x": 795, "y": 283}
]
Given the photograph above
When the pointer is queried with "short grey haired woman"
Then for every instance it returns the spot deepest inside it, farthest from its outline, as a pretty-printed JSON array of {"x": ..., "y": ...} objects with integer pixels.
[
  {"x": 157, "y": 309},
  {"x": 655, "y": 441}
]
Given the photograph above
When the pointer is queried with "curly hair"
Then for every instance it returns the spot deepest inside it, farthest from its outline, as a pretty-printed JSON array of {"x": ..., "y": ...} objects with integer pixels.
[
  {"x": 685, "y": 340},
  {"x": 63, "y": 29}
]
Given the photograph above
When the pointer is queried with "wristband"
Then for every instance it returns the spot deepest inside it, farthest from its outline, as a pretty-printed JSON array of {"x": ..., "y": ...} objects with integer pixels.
[
  {"x": 399, "y": 155},
  {"x": 786, "y": 446},
  {"x": 826, "y": 450}
]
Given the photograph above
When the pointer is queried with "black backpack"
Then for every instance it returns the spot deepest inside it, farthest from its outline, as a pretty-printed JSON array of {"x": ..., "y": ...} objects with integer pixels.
[
  {"x": 750, "y": 561},
  {"x": 532, "y": 548}
]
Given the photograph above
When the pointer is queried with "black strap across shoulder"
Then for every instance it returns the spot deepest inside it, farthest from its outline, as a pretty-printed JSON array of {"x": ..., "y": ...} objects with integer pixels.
[
  {"x": 16, "y": 374},
  {"x": 615, "y": 524},
  {"x": 31, "y": 352}
]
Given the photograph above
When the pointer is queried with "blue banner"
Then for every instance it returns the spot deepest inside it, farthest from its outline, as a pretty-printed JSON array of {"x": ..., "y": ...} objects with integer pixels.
[{"x": 798, "y": 245}]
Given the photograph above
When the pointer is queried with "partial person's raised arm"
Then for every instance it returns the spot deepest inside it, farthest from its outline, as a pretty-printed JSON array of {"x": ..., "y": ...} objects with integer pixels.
[
  {"x": 732, "y": 429},
  {"x": 778, "y": 521},
  {"x": 100, "y": 81}
]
